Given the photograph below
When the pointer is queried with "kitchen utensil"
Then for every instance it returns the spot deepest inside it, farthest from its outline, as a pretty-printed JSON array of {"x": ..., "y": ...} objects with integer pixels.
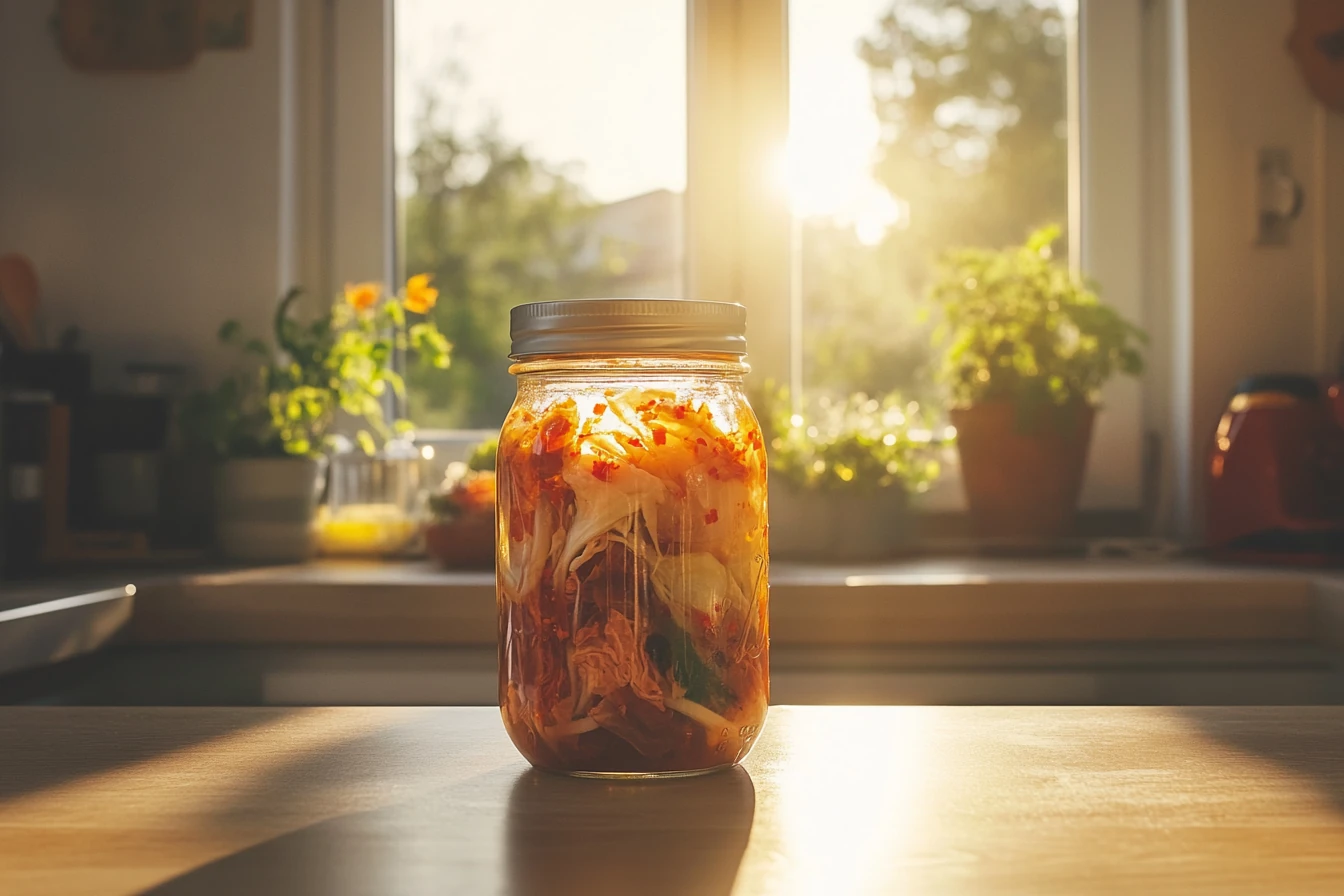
[{"x": 20, "y": 299}]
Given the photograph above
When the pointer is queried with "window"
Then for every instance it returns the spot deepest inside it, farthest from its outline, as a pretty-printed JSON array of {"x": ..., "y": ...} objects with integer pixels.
[
  {"x": 914, "y": 126},
  {"x": 541, "y": 154},
  {"x": 599, "y": 147}
]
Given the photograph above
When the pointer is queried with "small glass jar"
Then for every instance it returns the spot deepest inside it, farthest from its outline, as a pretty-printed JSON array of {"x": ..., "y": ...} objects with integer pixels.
[
  {"x": 632, "y": 557},
  {"x": 374, "y": 503}
]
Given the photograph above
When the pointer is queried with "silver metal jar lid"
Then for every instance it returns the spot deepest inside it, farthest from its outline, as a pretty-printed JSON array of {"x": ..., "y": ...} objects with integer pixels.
[{"x": 613, "y": 326}]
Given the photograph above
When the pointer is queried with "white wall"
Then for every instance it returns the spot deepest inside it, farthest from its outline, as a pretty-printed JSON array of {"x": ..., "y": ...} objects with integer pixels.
[
  {"x": 150, "y": 203},
  {"x": 1255, "y": 308}
]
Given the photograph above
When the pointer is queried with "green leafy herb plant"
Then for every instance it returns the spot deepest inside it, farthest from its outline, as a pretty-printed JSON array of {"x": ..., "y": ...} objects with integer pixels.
[
  {"x": 290, "y": 399},
  {"x": 1016, "y": 326},
  {"x": 853, "y": 445}
]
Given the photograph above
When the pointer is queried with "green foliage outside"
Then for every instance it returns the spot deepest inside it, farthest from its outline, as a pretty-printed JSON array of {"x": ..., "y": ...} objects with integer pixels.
[
  {"x": 971, "y": 97},
  {"x": 497, "y": 228}
]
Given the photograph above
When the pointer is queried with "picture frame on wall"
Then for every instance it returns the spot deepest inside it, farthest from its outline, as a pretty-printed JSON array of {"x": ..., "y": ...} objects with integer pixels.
[
  {"x": 1317, "y": 43},
  {"x": 112, "y": 36},
  {"x": 225, "y": 24}
]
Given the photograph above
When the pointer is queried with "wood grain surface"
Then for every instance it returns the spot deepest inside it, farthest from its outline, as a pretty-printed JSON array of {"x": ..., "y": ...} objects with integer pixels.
[{"x": 834, "y": 800}]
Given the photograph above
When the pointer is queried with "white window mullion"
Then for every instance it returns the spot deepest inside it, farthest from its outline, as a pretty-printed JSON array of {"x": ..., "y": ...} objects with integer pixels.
[
  {"x": 1111, "y": 146},
  {"x": 362, "y": 230},
  {"x": 737, "y": 216}
]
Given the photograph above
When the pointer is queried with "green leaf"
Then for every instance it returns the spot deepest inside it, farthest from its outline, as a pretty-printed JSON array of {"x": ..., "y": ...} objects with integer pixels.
[
  {"x": 365, "y": 441},
  {"x": 483, "y": 456},
  {"x": 701, "y": 684},
  {"x": 1015, "y": 325}
]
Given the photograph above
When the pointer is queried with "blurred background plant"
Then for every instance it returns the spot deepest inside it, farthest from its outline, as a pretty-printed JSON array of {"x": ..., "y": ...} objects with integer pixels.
[
  {"x": 460, "y": 533},
  {"x": 482, "y": 457},
  {"x": 289, "y": 401},
  {"x": 1016, "y": 326},
  {"x": 854, "y": 444},
  {"x": 468, "y": 487}
]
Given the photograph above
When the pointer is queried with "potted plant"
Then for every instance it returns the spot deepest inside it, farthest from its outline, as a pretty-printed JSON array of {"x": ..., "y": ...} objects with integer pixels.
[
  {"x": 268, "y": 426},
  {"x": 1027, "y": 348},
  {"x": 841, "y": 473},
  {"x": 461, "y": 531}
]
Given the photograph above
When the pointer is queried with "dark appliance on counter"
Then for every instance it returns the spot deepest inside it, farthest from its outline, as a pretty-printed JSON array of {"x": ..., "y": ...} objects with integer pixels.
[
  {"x": 25, "y": 418},
  {"x": 1276, "y": 473},
  {"x": 81, "y": 471},
  {"x": 37, "y": 390}
]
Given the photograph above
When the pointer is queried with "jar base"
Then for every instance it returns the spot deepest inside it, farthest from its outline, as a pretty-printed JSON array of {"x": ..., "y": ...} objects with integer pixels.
[{"x": 641, "y": 776}]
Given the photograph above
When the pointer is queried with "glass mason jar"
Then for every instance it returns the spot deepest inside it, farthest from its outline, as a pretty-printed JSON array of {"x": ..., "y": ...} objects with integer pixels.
[
  {"x": 374, "y": 503},
  {"x": 632, "y": 559}
]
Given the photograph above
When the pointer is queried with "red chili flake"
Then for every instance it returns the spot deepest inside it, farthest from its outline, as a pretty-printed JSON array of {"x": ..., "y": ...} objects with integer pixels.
[
  {"x": 603, "y": 469},
  {"x": 680, "y": 411},
  {"x": 714, "y": 471},
  {"x": 712, "y": 516},
  {"x": 553, "y": 433},
  {"x": 701, "y": 441},
  {"x": 659, "y": 436},
  {"x": 599, "y": 409},
  {"x": 635, "y": 443}
]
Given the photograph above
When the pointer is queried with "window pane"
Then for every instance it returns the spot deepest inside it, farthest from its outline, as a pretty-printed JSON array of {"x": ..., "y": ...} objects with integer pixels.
[
  {"x": 915, "y": 126},
  {"x": 542, "y": 155}
]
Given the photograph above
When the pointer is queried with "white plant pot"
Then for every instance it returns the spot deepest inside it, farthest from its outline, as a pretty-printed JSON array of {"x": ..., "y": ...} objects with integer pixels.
[
  {"x": 264, "y": 508},
  {"x": 833, "y": 527}
]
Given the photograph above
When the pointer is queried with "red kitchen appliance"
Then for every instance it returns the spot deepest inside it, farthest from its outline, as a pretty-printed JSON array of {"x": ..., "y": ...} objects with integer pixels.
[{"x": 1276, "y": 473}]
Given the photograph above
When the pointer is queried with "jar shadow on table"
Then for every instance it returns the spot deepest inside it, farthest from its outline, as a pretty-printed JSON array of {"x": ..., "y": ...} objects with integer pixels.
[{"x": 686, "y": 835}]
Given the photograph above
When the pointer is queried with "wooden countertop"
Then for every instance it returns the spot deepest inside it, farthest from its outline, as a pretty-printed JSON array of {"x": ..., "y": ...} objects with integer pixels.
[{"x": 834, "y": 800}]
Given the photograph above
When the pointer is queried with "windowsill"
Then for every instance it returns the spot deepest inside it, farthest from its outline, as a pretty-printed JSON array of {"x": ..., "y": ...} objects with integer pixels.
[
  {"x": 946, "y": 630},
  {"x": 900, "y": 604}
]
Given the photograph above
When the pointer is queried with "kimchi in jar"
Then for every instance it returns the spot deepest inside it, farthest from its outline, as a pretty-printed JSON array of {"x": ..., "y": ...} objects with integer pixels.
[{"x": 632, "y": 566}]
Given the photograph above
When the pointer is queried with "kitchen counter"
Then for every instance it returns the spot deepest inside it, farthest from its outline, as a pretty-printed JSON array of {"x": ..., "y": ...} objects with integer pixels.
[
  {"x": 905, "y": 603},
  {"x": 958, "y": 631},
  {"x": 833, "y": 800}
]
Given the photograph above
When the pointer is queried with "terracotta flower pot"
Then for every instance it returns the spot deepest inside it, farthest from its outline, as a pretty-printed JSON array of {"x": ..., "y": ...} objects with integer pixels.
[
  {"x": 467, "y": 542},
  {"x": 1021, "y": 481},
  {"x": 835, "y": 527}
]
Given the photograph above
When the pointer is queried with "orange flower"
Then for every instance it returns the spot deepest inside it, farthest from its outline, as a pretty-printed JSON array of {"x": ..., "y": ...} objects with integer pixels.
[
  {"x": 420, "y": 296},
  {"x": 362, "y": 296}
]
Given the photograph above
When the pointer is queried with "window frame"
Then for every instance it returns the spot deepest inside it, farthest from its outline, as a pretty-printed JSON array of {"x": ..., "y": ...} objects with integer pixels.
[{"x": 738, "y": 224}]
